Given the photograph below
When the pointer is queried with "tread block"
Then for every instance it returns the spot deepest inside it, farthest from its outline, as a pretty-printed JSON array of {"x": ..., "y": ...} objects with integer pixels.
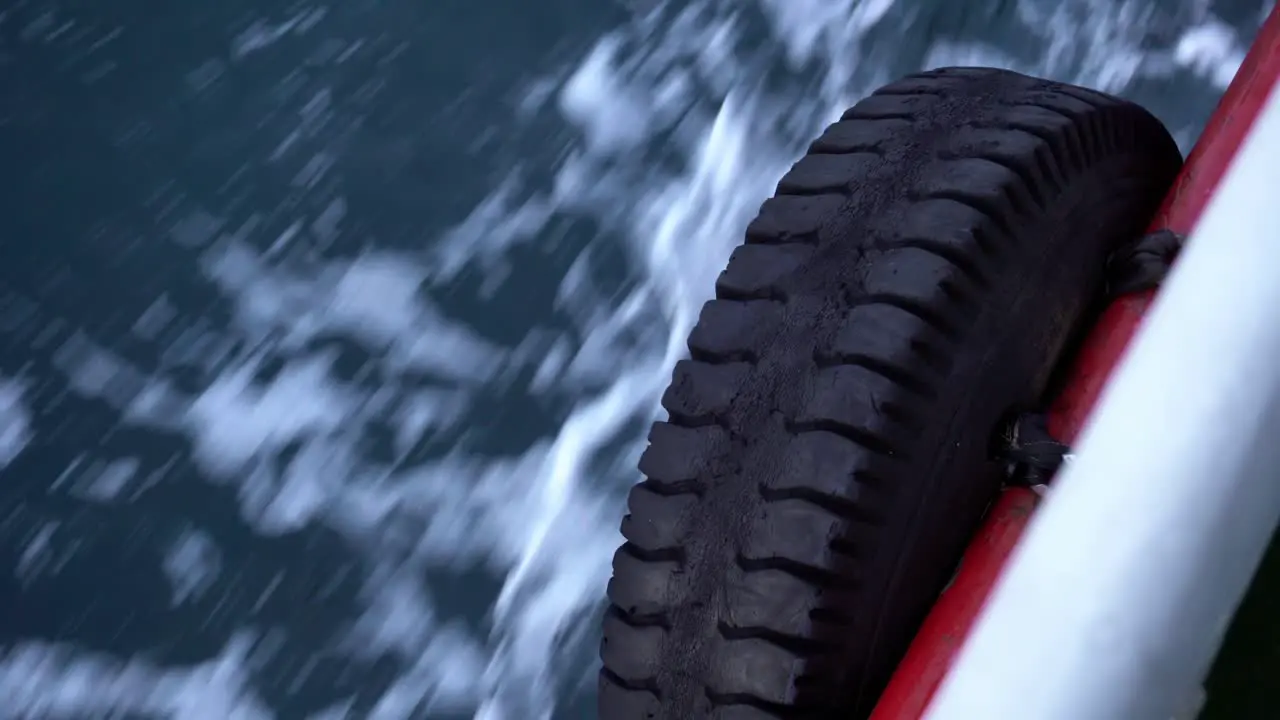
[
  {"x": 851, "y": 401},
  {"x": 984, "y": 184},
  {"x": 740, "y": 712},
  {"x": 1052, "y": 127},
  {"x": 678, "y": 456},
  {"x": 754, "y": 666},
  {"x": 815, "y": 174},
  {"x": 955, "y": 230},
  {"x": 891, "y": 337},
  {"x": 925, "y": 284},
  {"x": 828, "y": 469},
  {"x": 656, "y": 521},
  {"x": 794, "y": 218},
  {"x": 851, "y": 136},
  {"x": 734, "y": 330},
  {"x": 700, "y": 392},
  {"x": 643, "y": 587},
  {"x": 1060, "y": 102},
  {"x": 633, "y": 652},
  {"x": 1030, "y": 156},
  {"x": 891, "y": 107},
  {"x": 797, "y": 531},
  {"x": 1061, "y": 129},
  {"x": 947, "y": 78},
  {"x": 770, "y": 598},
  {"x": 623, "y": 703},
  {"x": 756, "y": 271}
]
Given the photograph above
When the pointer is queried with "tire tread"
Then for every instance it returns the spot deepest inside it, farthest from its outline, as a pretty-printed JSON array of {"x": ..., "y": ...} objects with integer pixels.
[{"x": 771, "y": 634}]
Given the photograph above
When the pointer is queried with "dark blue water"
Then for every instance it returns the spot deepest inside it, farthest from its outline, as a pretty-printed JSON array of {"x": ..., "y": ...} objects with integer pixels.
[{"x": 329, "y": 334}]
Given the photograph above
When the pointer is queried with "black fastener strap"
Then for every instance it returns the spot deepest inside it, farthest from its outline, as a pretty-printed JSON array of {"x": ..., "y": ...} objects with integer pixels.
[
  {"x": 1033, "y": 455},
  {"x": 1143, "y": 263}
]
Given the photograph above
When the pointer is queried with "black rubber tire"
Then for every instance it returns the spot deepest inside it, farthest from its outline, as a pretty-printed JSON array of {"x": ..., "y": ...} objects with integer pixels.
[{"x": 827, "y": 455}]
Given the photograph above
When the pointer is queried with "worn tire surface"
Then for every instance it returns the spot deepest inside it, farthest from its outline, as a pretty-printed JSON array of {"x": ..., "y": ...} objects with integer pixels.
[{"x": 916, "y": 276}]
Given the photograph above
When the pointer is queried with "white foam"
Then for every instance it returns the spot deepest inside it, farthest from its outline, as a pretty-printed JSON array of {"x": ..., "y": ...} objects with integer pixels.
[
  {"x": 262, "y": 34},
  {"x": 373, "y": 298},
  {"x": 445, "y": 664},
  {"x": 39, "y": 680},
  {"x": 192, "y": 565},
  {"x": 103, "y": 481},
  {"x": 620, "y": 126},
  {"x": 1212, "y": 50},
  {"x": 39, "y": 555},
  {"x": 15, "y": 421}
]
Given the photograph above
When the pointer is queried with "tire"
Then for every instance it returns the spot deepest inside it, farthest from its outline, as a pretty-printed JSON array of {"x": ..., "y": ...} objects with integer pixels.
[{"x": 827, "y": 452}]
